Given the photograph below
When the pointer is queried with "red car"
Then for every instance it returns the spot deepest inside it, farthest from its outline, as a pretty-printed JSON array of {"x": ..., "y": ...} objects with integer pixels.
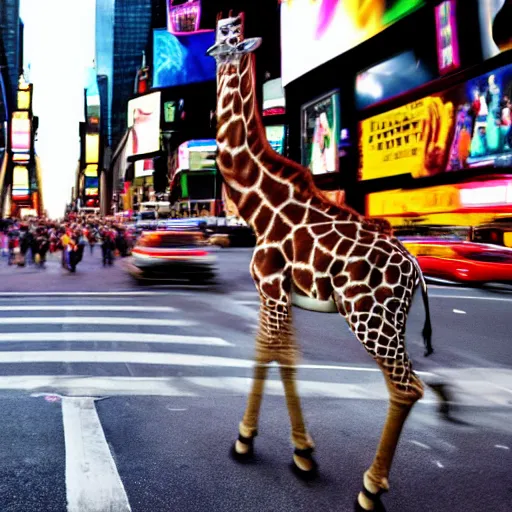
[{"x": 460, "y": 260}]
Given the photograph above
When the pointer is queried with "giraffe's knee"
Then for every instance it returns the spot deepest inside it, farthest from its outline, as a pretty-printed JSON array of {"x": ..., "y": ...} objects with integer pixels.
[{"x": 408, "y": 392}]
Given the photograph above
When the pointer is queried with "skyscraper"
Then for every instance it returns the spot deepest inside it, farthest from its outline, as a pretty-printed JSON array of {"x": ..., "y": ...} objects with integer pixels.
[
  {"x": 9, "y": 44},
  {"x": 123, "y": 31}
]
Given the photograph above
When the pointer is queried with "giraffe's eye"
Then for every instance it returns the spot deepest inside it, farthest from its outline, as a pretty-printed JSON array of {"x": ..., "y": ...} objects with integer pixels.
[{"x": 224, "y": 31}]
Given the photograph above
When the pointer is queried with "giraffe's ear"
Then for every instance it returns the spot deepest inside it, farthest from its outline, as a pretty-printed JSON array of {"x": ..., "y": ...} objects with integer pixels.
[{"x": 249, "y": 45}]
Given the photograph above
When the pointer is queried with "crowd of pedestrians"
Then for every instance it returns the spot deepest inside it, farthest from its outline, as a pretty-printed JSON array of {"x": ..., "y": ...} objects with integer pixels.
[{"x": 29, "y": 241}]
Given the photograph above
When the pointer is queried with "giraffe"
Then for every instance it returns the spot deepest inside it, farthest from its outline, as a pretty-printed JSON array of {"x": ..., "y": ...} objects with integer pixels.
[{"x": 323, "y": 250}]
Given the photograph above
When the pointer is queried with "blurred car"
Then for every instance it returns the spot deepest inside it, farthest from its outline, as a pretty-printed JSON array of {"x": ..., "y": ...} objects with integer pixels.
[
  {"x": 461, "y": 260},
  {"x": 175, "y": 255}
]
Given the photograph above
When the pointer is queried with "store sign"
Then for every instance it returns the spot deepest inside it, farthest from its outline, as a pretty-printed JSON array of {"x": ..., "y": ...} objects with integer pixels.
[
  {"x": 447, "y": 39},
  {"x": 440, "y": 199},
  {"x": 313, "y": 33},
  {"x": 21, "y": 132},
  {"x": 467, "y": 126}
]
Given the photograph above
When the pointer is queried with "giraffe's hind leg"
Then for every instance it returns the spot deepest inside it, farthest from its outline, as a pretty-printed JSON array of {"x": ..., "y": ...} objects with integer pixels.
[
  {"x": 377, "y": 315},
  {"x": 405, "y": 389}
]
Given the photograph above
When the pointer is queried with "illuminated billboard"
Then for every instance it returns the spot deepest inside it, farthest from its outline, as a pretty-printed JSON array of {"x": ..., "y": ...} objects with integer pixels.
[
  {"x": 467, "y": 126},
  {"x": 21, "y": 132},
  {"x": 144, "y": 168},
  {"x": 273, "y": 97},
  {"x": 447, "y": 38},
  {"x": 20, "y": 183},
  {"x": 495, "y": 27},
  {"x": 92, "y": 148},
  {"x": 183, "y": 17},
  {"x": 182, "y": 60},
  {"x": 144, "y": 119},
  {"x": 390, "y": 78},
  {"x": 91, "y": 186},
  {"x": 462, "y": 197},
  {"x": 320, "y": 134},
  {"x": 276, "y": 136},
  {"x": 313, "y": 33}
]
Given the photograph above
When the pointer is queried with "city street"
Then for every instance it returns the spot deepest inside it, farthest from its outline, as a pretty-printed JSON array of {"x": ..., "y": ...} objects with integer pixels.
[{"x": 118, "y": 396}]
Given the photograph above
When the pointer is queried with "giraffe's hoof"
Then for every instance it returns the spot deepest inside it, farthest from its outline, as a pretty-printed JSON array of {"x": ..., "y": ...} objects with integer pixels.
[
  {"x": 377, "y": 507},
  {"x": 370, "y": 500},
  {"x": 304, "y": 465},
  {"x": 243, "y": 448}
]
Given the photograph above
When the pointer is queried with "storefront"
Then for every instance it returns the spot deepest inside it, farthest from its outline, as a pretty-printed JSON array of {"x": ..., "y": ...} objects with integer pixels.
[{"x": 406, "y": 109}]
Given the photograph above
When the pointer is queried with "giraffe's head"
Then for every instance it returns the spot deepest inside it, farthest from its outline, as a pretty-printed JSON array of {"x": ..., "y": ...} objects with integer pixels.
[{"x": 230, "y": 42}]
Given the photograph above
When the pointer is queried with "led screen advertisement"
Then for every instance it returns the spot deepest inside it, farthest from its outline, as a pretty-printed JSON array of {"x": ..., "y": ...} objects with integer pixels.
[
  {"x": 468, "y": 126},
  {"x": 314, "y": 32},
  {"x": 144, "y": 121},
  {"x": 276, "y": 136},
  {"x": 21, "y": 129},
  {"x": 182, "y": 60},
  {"x": 91, "y": 186},
  {"x": 320, "y": 134},
  {"x": 390, "y": 78},
  {"x": 495, "y": 26},
  {"x": 20, "y": 183}
]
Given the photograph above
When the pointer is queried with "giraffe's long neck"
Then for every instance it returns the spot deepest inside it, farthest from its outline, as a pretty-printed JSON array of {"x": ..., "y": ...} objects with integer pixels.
[{"x": 240, "y": 132}]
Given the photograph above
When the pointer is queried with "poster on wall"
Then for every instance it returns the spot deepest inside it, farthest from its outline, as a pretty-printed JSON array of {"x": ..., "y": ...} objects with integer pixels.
[
  {"x": 144, "y": 119},
  {"x": 465, "y": 127},
  {"x": 182, "y": 60},
  {"x": 313, "y": 33},
  {"x": 320, "y": 134},
  {"x": 495, "y": 26}
]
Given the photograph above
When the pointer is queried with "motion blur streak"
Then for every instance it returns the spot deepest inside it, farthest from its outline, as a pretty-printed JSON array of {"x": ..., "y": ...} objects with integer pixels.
[{"x": 59, "y": 45}]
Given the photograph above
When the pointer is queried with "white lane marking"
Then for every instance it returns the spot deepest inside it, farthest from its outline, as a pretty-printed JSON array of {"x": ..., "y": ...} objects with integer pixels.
[
  {"x": 249, "y": 302},
  {"x": 113, "y": 337},
  {"x": 471, "y": 297},
  {"x": 92, "y": 480},
  {"x": 172, "y": 409},
  {"x": 501, "y": 447},
  {"x": 421, "y": 445},
  {"x": 459, "y": 312},
  {"x": 168, "y": 359},
  {"x": 83, "y": 294},
  {"x": 64, "y": 385},
  {"x": 439, "y": 465},
  {"x": 80, "y": 307},
  {"x": 93, "y": 320}
]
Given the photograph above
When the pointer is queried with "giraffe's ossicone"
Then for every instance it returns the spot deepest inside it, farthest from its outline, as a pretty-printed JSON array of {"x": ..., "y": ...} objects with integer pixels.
[{"x": 324, "y": 250}]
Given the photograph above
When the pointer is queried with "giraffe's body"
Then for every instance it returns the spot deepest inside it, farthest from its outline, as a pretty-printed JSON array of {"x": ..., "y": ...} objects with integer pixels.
[{"x": 326, "y": 251}]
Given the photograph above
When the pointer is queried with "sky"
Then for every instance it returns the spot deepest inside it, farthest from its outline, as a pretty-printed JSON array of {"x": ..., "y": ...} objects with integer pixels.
[{"x": 59, "y": 47}]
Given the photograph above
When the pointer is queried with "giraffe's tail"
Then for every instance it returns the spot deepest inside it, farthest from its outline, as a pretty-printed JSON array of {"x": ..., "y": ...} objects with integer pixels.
[{"x": 427, "y": 327}]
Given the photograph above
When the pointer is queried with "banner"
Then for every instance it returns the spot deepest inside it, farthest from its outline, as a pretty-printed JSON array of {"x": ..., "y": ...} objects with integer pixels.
[{"x": 467, "y": 126}]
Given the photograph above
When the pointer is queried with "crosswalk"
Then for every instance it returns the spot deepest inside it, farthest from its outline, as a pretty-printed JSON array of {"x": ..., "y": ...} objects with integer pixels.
[{"x": 78, "y": 348}]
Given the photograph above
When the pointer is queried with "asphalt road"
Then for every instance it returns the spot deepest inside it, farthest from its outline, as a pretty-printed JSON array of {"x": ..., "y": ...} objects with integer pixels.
[{"x": 117, "y": 396}]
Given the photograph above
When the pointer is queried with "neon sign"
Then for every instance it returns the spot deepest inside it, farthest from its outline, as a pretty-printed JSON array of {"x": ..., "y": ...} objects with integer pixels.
[
  {"x": 447, "y": 43},
  {"x": 184, "y": 17}
]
